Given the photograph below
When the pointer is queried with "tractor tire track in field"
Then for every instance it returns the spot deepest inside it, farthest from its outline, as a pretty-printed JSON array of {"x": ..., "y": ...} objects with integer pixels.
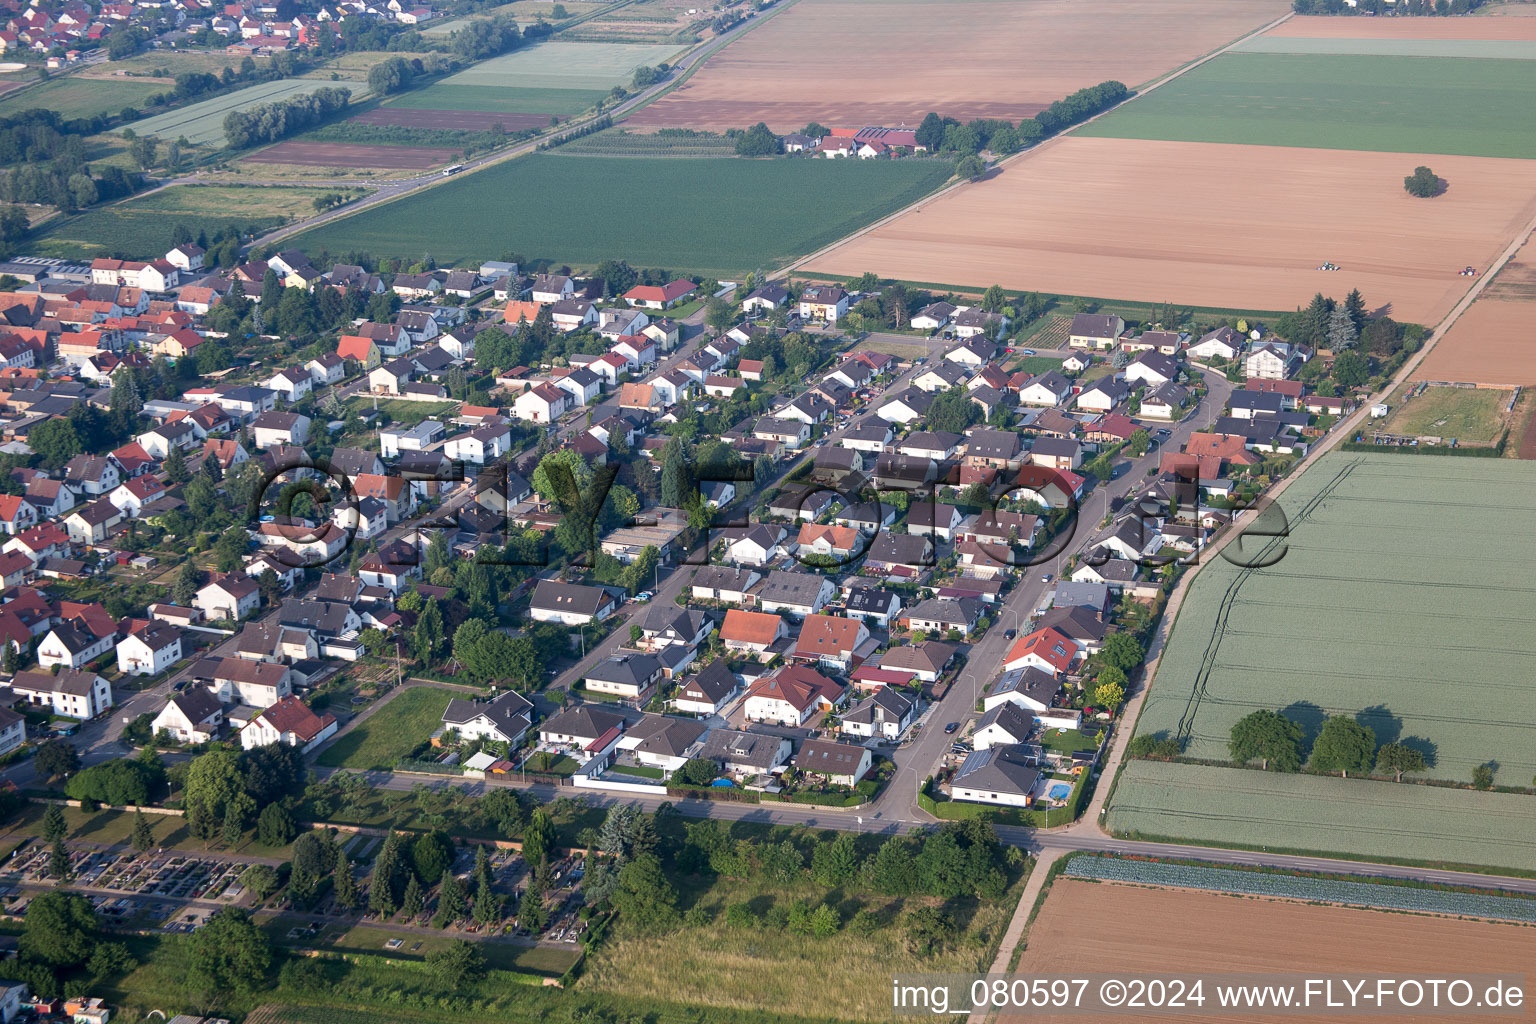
[{"x": 1229, "y": 599}]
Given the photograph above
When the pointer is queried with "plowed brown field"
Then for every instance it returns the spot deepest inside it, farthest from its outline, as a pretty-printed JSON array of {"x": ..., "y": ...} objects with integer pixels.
[
  {"x": 1234, "y": 227},
  {"x": 855, "y": 62},
  {"x": 1323, "y": 27},
  {"x": 1492, "y": 342},
  {"x": 1121, "y": 929},
  {"x": 353, "y": 154}
]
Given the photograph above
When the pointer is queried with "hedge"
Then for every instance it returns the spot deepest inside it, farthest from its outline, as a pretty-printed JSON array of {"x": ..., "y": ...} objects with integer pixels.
[{"x": 726, "y": 793}]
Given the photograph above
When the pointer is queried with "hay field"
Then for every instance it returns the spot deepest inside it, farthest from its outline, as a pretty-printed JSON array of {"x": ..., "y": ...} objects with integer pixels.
[
  {"x": 1491, "y": 342},
  {"x": 76, "y": 97},
  {"x": 1234, "y": 227},
  {"x": 1401, "y": 599},
  {"x": 203, "y": 123},
  {"x": 1383, "y": 103},
  {"x": 1126, "y": 929},
  {"x": 856, "y": 62},
  {"x": 1353, "y": 817}
]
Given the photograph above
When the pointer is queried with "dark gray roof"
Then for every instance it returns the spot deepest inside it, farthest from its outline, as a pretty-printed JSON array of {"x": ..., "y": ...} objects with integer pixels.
[
  {"x": 582, "y": 721},
  {"x": 714, "y": 682},
  {"x": 957, "y": 612},
  {"x": 999, "y": 769},
  {"x": 552, "y": 595},
  {"x": 1029, "y": 682},
  {"x": 757, "y": 750},
  {"x": 886, "y": 704},
  {"x": 197, "y": 703},
  {"x": 510, "y": 713},
  {"x": 785, "y": 587},
  {"x": 900, "y": 549},
  {"x": 1011, "y": 717},
  {"x": 627, "y": 669},
  {"x": 666, "y": 736}
]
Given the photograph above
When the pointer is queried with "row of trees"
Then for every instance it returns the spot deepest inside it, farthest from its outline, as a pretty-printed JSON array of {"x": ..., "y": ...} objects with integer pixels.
[
  {"x": 273, "y": 121},
  {"x": 1343, "y": 745},
  {"x": 947, "y": 135},
  {"x": 1441, "y": 8}
]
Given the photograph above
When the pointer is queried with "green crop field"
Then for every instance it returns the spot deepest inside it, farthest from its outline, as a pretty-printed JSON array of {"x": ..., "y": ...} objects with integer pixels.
[
  {"x": 141, "y": 228},
  {"x": 1382, "y": 104},
  {"x": 80, "y": 97},
  {"x": 618, "y": 142},
  {"x": 1496, "y": 49},
  {"x": 1358, "y": 818},
  {"x": 203, "y": 123},
  {"x": 498, "y": 100},
  {"x": 390, "y": 733},
  {"x": 694, "y": 215},
  {"x": 1400, "y": 599}
]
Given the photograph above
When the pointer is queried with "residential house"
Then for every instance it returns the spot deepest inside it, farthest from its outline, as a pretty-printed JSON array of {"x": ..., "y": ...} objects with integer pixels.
[
  {"x": 709, "y": 691},
  {"x": 571, "y": 604},
  {"x": 631, "y": 675},
  {"x": 746, "y": 755},
  {"x": 833, "y": 642},
  {"x": 192, "y": 716},
  {"x": 825, "y": 303},
  {"x": 1048, "y": 650},
  {"x": 795, "y": 593},
  {"x": 1095, "y": 331},
  {"x": 289, "y": 722},
  {"x": 232, "y": 596},
  {"x": 149, "y": 650},
  {"x": 273, "y": 428},
  {"x": 506, "y": 719},
  {"x": 841, "y": 764},
  {"x": 791, "y": 696},
  {"x": 884, "y": 714},
  {"x": 997, "y": 775},
  {"x": 69, "y": 692},
  {"x": 663, "y": 742},
  {"x": 753, "y": 633},
  {"x": 1006, "y": 723}
]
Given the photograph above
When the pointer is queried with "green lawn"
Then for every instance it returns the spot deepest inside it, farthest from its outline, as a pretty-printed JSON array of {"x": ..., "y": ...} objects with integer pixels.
[
  {"x": 142, "y": 228},
  {"x": 392, "y": 732},
  {"x": 1379, "y": 103},
  {"x": 1067, "y": 741},
  {"x": 707, "y": 216},
  {"x": 364, "y": 939},
  {"x": 1471, "y": 415},
  {"x": 402, "y": 411},
  {"x": 638, "y": 770},
  {"x": 81, "y": 97}
]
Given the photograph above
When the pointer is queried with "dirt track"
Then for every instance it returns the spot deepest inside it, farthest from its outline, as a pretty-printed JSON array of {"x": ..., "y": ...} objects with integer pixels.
[
  {"x": 351, "y": 154},
  {"x": 1240, "y": 227},
  {"x": 451, "y": 120},
  {"x": 853, "y": 62},
  {"x": 1110, "y": 928}
]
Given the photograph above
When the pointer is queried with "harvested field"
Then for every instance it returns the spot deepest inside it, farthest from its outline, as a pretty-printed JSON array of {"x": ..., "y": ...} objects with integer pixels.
[
  {"x": 1398, "y": 600},
  {"x": 1326, "y": 27},
  {"x": 1353, "y": 817},
  {"x": 351, "y": 154},
  {"x": 450, "y": 120},
  {"x": 1490, "y": 343},
  {"x": 1125, "y": 928},
  {"x": 983, "y": 58},
  {"x": 1385, "y": 103},
  {"x": 1248, "y": 229}
]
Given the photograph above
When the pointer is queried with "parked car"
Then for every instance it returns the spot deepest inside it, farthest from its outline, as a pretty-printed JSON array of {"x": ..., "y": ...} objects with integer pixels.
[
  {"x": 1010, "y": 634},
  {"x": 1029, "y": 352},
  {"x": 951, "y": 728}
]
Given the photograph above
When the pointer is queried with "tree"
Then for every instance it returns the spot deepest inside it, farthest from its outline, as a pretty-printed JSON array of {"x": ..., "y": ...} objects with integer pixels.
[
  {"x": 431, "y": 855},
  {"x": 189, "y": 580},
  {"x": 389, "y": 76},
  {"x": 451, "y": 902},
  {"x": 261, "y": 879},
  {"x": 229, "y": 952},
  {"x": 456, "y": 963},
  {"x": 1268, "y": 736},
  {"x": 345, "y": 889},
  {"x": 143, "y": 834},
  {"x": 1423, "y": 183},
  {"x": 55, "y": 441},
  {"x": 413, "y": 900},
  {"x": 385, "y": 883},
  {"x": 1354, "y": 304},
  {"x": 696, "y": 771},
  {"x": 994, "y": 299},
  {"x": 644, "y": 897},
  {"x": 58, "y": 861},
  {"x": 930, "y": 133},
  {"x": 1350, "y": 369},
  {"x": 1399, "y": 758},
  {"x": 55, "y": 827},
  {"x": 970, "y": 167},
  {"x": 758, "y": 140},
  {"x": 56, "y": 758},
  {"x": 233, "y": 828},
  {"x": 176, "y": 467},
  {"x": 1110, "y": 695},
  {"x": 893, "y": 870},
  {"x": 1482, "y": 776},
  {"x": 487, "y": 903},
  {"x": 836, "y": 863},
  {"x": 275, "y": 826},
  {"x": 1122, "y": 651},
  {"x": 1343, "y": 745},
  {"x": 538, "y": 838},
  {"x": 59, "y": 931},
  {"x": 1342, "y": 332}
]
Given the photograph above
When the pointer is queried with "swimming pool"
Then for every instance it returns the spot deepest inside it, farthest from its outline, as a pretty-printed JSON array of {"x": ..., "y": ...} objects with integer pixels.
[{"x": 1060, "y": 791}]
